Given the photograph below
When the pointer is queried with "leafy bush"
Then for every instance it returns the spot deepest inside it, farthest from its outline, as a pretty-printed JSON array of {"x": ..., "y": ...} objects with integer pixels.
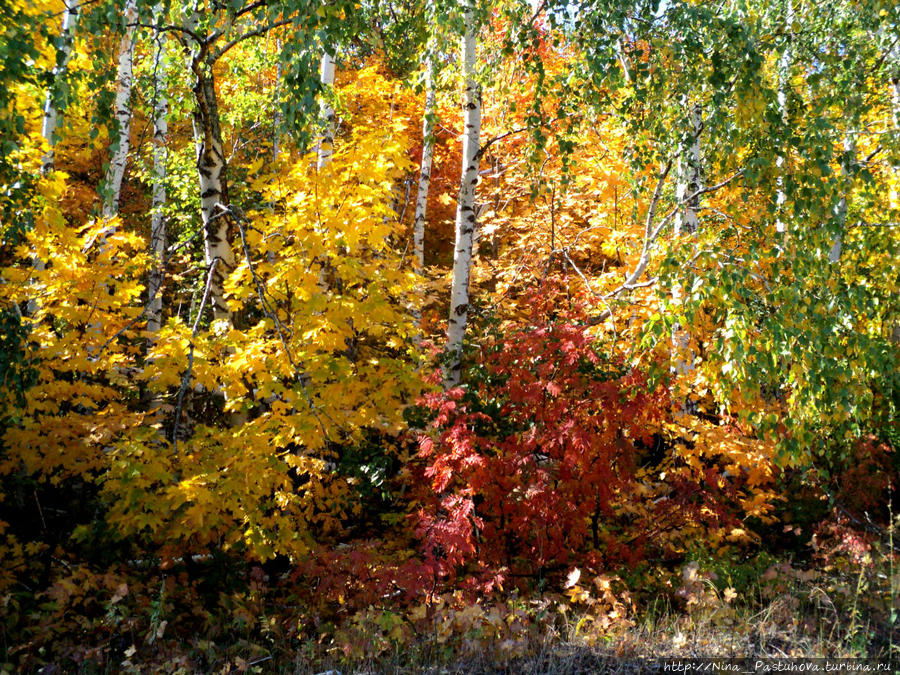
[{"x": 526, "y": 459}]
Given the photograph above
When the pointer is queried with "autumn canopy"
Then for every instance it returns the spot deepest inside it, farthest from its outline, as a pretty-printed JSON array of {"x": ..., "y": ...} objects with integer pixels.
[{"x": 329, "y": 319}]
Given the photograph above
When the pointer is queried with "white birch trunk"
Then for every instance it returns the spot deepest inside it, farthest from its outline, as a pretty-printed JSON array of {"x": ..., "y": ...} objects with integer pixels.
[
  {"x": 784, "y": 75},
  {"x": 325, "y": 146},
  {"x": 687, "y": 221},
  {"x": 326, "y": 112},
  {"x": 895, "y": 111},
  {"x": 425, "y": 171},
  {"x": 465, "y": 209},
  {"x": 211, "y": 171},
  {"x": 623, "y": 60},
  {"x": 895, "y": 88},
  {"x": 896, "y": 99},
  {"x": 124, "y": 80},
  {"x": 689, "y": 180},
  {"x": 51, "y": 109},
  {"x": 50, "y": 117},
  {"x": 840, "y": 210},
  {"x": 276, "y": 134},
  {"x": 157, "y": 219}
]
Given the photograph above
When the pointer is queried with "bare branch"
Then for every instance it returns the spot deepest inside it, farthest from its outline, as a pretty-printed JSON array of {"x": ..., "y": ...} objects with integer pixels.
[
  {"x": 185, "y": 379},
  {"x": 169, "y": 29},
  {"x": 250, "y": 7},
  {"x": 249, "y": 34},
  {"x": 608, "y": 314},
  {"x": 651, "y": 234},
  {"x": 301, "y": 376}
]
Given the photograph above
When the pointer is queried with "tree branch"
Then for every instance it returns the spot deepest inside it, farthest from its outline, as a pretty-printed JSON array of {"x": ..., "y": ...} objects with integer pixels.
[
  {"x": 169, "y": 29},
  {"x": 185, "y": 379},
  {"x": 253, "y": 33},
  {"x": 652, "y": 233},
  {"x": 270, "y": 312}
]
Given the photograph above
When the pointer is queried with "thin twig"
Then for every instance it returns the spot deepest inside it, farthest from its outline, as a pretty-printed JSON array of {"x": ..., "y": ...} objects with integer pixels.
[
  {"x": 271, "y": 313},
  {"x": 609, "y": 312},
  {"x": 187, "y": 374},
  {"x": 253, "y": 33}
]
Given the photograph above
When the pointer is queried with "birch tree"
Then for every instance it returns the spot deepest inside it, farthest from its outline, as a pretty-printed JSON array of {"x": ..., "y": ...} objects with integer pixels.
[
  {"x": 425, "y": 169},
  {"x": 50, "y": 119},
  {"x": 206, "y": 36},
  {"x": 687, "y": 222},
  {"x": 122, "y": 113},
  {"x": 895, "y": 86},
  {"x": 840, "y": 209},
  {"x": 785, "y": 62},
  {"x": 326, "y": 111},
  {"x": 465, "y": 208},
  {"x": 211, "y": 162},
  {"x": 157, "y": 218},
  {"x": 689, "y": 181},
  {"x": 211, "y": 170}
]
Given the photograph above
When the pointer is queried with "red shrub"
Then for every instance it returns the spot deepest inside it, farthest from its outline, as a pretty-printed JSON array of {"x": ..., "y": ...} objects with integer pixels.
[{"x": 525, "y": 460}]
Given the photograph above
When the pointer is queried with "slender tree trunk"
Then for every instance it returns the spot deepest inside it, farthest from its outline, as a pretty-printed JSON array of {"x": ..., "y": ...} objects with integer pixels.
[
  {"x": 425, "y": 171},
  {"x": 465, "y": 209},
  {"x": 895, "y": 88},
  {"x": 212, "y": 171},
  {"x": 784, "y": 75},
  {"x": 325, "y": 146},
  {"x": 158, "y": 218},
  {"x": 687, "y": 221},
  {"x": 51, "y": 106},
  {"x": 624, "y": 61},
  {"x": 689, "y": 180},
  {"x": 124, "y": 80},
  {"x": 211, "y": 168},
  {"x": 276, "y": 133},
  {"x": 326, "y": 112},
  {"x": 840, "y": 210},
  {"x": 895, "y": 101},
  {"x": 895, "y": 111},
  {"x": 50, "y": 118}
]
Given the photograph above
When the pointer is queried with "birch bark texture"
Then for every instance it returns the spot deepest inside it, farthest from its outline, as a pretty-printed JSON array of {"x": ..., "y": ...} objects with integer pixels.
[
  {"x": 50, "y": 119},
  {"x": 212, "y": 173},
  {"x": 687, "y": 222},
  {"x": 124, "y": 80},
  {"x": 50, "y": 116},
  {"x": 425, "y": 169},
  {"x": 160, "y": 152},
  {"x": 895, "y": 87},
  {"x": 689, "y": 179},
  {"x": 840, "y": 209},
  {"x": 326, "y": 111},
  {"x": 465, "y": 208},
  {"x": 785, "y": 64}
]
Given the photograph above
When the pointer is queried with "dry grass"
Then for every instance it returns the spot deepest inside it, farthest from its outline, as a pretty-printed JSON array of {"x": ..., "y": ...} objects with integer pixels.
[{"x": 801, "y": 615}]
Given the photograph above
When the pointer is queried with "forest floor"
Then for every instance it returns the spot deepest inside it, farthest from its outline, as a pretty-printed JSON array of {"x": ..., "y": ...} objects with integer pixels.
[
  {"x": 843, "y": 607},
  {"x": 840, "y": 611},
  {"x": 830, "y": 591},
  {"x": 775, "y": 632}
]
